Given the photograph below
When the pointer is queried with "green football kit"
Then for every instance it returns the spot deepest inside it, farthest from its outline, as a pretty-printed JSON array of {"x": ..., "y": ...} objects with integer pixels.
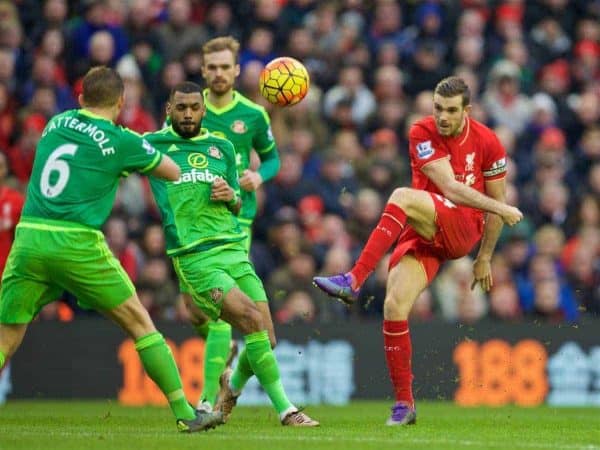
[
  {"x": 206, "y": 243},
  {"x": 203, "y": 237},
  {"x": 58, "y": 244},
  {"x": 247, "y": 126}
]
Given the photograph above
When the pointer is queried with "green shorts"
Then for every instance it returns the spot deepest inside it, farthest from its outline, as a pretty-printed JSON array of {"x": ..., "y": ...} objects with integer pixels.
[
  {"x": 247, "y": 228},
  {"x": 209, "y": 275},
  {"x": 49, "y": 257}
]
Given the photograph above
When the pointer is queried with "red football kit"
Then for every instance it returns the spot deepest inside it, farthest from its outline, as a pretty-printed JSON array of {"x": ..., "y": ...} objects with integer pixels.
[
  {"x": 476, "y": 156},
  {"x": 11, "y": 204}
]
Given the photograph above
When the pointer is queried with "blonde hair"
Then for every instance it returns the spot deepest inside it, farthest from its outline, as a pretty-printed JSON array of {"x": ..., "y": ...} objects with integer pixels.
[{"x": 222, "y": 43}]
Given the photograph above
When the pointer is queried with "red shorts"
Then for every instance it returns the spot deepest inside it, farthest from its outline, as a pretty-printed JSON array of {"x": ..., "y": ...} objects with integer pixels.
[{"x": 459, "y": 229}]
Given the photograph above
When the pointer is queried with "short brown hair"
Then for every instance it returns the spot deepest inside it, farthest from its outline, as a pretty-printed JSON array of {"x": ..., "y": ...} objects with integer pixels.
[
  {"x": 453, "y": 86},
  {"x": 222, "y": 43},
  {"x": 102, "y": 87}
]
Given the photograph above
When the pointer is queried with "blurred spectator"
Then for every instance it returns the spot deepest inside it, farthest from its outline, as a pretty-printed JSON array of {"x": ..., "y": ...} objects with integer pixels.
[
  {"x": 503, "y": 101},
  {"x": 178, "y": 33},
  {"x": 124, "y": 250},
  {"x": 550, "y": 41},
  {"x": 259, "y": 48},
  {"x": 172, "y": 74},
  {"x": 11, "y": 204},
  {"x": 219, "y": 21},
  {"x": 7, "y": 117},
  {"x": 94, "y": 20},
  {"x": 545, "y": 293},
  {"x": 21, "y": 154},
  {"x": 452, "y": 289},
  {"x": 388, "y": 83},
  {"x": 587, "y": 152},
  {"x": 428, "y": 68},
  {"x": 133, "y": 114},
  {"x": 552, "y": 204},
  {"x": 469, "y": 53},
  {"x": 44, "y": 74},
  {"x": 422, "y": 310},
  {"x": 504, "y": 302},
  {"x": 373, "y": 293},
  {"x": 387, "y": 26},
  {"x": 310, "y": 210},
  {"x": 54, "y": 16},
  {"x": 288, "y": 187},
  {"x": 297, "y": 306},
  {"x": 352, "y": 90},
  {"x": 158, "y": 290},
  {"x": 583, "y": 271},
  {"x": 364, "y": 214},
  {"x": 52, "y": 44},
  {"x": 296, "y": 274},
  {"x": 285, "y": 236},
  {"x": 336, "y": 187},
  {"x": 7, "y": 69}
]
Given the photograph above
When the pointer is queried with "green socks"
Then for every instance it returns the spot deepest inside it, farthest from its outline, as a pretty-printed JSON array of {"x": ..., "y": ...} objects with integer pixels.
[
  {"x": 2, "y": 360},
  {"x": 216, "y": 351},
  {"x": 158, "y": 362},
  {"x": 242, "y": 373},
  {"x": 264, "y": 365},
  {"x": 202, "y": 330}
]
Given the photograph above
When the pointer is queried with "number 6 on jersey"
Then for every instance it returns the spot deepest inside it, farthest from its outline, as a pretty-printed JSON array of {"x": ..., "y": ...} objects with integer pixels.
[{"x": 55, "y": 164}]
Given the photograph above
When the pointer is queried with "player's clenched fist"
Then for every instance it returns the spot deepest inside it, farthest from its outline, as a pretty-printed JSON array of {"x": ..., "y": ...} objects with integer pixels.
[
  {"x": 221, "y": 191},
  {"x": 250, "y": 180},
  {"x": 511, "y": 215}
]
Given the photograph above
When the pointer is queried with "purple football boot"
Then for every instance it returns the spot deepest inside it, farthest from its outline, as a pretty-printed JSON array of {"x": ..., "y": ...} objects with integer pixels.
[
  {"x": 402, "y": 414},
  {"x": 338, "y": 286}
]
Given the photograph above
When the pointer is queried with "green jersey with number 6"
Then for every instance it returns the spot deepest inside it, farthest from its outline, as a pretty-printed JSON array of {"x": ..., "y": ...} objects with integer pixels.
[
  {"x": 247, "y": 126},
  {"x": 79, "y": 160},
  {"x": 191, "y": 220}
]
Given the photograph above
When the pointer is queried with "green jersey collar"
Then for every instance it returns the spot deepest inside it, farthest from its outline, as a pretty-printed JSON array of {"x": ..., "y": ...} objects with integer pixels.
[
  {"x": 213, "y": 109},
  {"x": 87, "y": 113},
  {"x": 204, "y": 133}
]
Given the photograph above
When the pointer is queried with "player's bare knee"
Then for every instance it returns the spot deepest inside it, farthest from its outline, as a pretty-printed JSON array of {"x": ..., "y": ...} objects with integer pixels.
[
  {"x": 394, "y": 310},
  {"x": 403, "y": 197},
  {"x": 251, "y": 319},
  {"x": 133, "y": 318}
]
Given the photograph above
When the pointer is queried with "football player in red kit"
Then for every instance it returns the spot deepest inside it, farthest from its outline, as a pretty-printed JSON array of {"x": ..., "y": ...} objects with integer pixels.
[{"x": 458, "y": 173}]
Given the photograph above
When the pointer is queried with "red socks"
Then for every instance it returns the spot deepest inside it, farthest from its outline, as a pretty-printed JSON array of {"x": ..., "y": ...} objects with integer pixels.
[
  {"x": 398, "y": 352},
  {"x": 382, "y": 237}
]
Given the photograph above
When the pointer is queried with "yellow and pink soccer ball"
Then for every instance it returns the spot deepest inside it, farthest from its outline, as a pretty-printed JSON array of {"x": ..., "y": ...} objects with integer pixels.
[{"x": 284, "y": 81}]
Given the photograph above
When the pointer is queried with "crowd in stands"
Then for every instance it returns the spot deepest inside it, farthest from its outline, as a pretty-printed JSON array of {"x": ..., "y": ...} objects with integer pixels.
[{"x": 534, "y": 71}]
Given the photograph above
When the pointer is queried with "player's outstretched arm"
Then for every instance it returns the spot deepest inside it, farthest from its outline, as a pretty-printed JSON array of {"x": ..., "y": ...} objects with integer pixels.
[
  {"x": 441, "y": 173},
  {"x": 482, "y": 269},
  {"x": 167, "y": 169}
]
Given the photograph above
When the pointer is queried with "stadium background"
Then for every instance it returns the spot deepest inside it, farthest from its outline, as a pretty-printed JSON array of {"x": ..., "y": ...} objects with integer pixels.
[{"x": 534, "y": 70}]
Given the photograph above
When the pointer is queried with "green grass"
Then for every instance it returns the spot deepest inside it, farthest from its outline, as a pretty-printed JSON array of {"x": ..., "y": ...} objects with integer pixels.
[{"x": 105, "y": 425}]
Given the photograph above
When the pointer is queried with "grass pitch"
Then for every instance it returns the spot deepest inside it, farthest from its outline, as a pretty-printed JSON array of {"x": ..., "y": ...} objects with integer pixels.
[{"x": 76, "y": 425}]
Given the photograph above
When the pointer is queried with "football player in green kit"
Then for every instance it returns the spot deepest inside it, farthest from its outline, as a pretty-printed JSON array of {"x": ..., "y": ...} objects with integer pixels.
[
  {"x": 59, "y": 246},
  {"x": 207, "y": 245},
  {"x": 247, "y": 126}
]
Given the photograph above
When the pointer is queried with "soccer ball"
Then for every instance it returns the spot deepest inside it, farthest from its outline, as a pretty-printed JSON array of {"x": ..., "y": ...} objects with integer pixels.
[{"x": 284, "y": 81}]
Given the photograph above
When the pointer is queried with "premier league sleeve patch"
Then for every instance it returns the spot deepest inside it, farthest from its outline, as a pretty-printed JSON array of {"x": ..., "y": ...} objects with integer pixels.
[{"x": 425, "y": 150}]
